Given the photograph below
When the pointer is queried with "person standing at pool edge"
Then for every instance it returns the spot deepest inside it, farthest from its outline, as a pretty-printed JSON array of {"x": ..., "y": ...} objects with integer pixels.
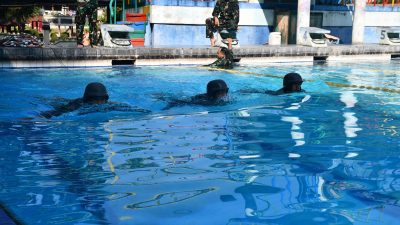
[
  {"x": 86, "y": 8},
  {"x": 225, "y": 20},
  {"x": 210, "y": 30}
]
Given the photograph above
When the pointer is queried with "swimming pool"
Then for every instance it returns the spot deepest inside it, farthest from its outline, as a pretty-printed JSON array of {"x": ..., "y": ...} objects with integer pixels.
[{"x": 327, "y": 156}]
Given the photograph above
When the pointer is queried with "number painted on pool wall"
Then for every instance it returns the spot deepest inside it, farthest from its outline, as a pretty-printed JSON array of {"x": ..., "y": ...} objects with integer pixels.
[{"x": 383, "y": 34}]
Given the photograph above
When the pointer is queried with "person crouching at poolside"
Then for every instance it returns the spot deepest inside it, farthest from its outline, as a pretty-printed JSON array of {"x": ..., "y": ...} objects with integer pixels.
[
  {"x": 210, "y": 30},
  {"x": 225, "y": 59},
  {"x": 217, "y": 91}
]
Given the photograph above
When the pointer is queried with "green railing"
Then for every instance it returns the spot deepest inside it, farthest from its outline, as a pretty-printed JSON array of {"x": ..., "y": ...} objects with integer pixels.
[{"x": 113, "y": 10}]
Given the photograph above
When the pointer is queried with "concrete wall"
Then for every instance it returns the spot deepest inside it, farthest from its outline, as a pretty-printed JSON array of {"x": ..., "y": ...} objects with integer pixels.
[
  {"x": 340, "y": 23},
  {"x": 373, "y": 34},
  {"x": 171, "y": 18},
  {"x": 195, "y": 35},
  {"x": 177, "y": 26},
  {"x": 197, "y": 15},
  {"x": 181, "y": 22}
]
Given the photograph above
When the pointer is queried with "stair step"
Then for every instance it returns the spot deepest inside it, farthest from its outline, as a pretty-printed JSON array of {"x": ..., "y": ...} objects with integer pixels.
[
  {"x": 137, "y": 41},
  {"x": 136, "y": 17}
]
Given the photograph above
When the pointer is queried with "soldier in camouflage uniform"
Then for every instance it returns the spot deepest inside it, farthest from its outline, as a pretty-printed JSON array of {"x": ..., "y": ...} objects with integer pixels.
[
  {"x": 225, "y": 17},
  {"x": 86, "y": 8},
  {"x": 217, "y": 94},
  {"x": 225, "y": 59},
  {"x": 210, "y": 30}
]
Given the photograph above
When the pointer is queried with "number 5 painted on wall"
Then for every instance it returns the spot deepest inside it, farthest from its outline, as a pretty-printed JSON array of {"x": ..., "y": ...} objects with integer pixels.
[{"x": 383, "y": 34}]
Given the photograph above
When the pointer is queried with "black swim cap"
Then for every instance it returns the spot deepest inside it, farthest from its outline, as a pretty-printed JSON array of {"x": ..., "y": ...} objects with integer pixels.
[
  {"x": 216, "y": 86},
  {"x": 95, "y": 91},
  {"x": 292, "y": 78}
]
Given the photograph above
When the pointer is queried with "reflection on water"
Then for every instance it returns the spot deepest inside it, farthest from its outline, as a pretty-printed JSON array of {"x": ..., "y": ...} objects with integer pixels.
[
  {"x": 319, "y": 158},
  {"x": 168, "y": 198}
]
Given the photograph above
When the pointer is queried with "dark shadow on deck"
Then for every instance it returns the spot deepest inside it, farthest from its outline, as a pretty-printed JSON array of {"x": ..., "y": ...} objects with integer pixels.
[{"x": 7, "y": 218}]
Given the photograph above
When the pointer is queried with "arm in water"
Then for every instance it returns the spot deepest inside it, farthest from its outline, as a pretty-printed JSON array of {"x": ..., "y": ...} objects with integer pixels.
[
  {"x": 111, "y": 107},
  {"x": 58, "y": 111},
  {"x": 217, "y": 91}
]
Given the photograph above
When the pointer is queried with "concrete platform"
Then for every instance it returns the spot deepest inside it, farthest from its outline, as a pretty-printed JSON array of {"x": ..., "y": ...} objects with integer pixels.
[{"x": 88, "y": 57}]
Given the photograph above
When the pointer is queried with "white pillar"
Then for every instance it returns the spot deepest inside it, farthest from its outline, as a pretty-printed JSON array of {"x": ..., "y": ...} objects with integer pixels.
[
  {"x": 303, "y": 16},
  {"x": 358, "y": 22}
]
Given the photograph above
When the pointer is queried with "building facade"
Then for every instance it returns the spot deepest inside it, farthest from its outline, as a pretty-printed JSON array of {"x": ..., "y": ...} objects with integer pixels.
[{"x": 182, "y": 22}]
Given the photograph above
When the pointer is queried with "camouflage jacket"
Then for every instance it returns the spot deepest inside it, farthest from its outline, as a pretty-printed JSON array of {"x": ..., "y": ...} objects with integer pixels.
[
  {"x": 227, "y": 12},
  {"x": 85, "y": 3},
  {"x": 222, "y": 64}
]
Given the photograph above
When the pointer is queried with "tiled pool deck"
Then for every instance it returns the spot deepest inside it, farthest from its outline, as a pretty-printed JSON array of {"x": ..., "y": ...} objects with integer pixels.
[{"x": 78, "y": 57}]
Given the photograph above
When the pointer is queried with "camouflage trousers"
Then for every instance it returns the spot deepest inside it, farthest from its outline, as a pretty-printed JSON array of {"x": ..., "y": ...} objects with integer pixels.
[
  {"x": 82, "y": 12},
  {"x": 210, "y": 28}
]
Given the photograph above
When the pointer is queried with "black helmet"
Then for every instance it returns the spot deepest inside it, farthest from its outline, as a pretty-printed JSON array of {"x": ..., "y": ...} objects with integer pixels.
[
  {"x": 216, "y": 86},
  {"x": 292, "y": 78},
  {"x": 95, "y": 91}
]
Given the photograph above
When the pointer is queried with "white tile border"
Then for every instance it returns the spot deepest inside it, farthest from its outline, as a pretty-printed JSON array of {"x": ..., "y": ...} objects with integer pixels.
[
  {"x": 55, "y": 63},
  {"x": 205, "y": 61},
  {"x": 268, "y": 60},
  {"x": 245, "y": 61},
  {"x": 173, "y": 62},
  {"x": 367, "y": 58}
]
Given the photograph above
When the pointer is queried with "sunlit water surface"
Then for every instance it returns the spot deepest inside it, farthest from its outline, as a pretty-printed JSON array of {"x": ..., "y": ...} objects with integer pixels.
[{"x": 327, "y": 156}]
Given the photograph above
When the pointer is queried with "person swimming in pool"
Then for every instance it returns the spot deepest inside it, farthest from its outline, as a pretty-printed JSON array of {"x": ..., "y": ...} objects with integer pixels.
[
  {"x": 291, "y": 83},
  {"x": 95, "y": 95},
  {"x": 217, "y": 91}
]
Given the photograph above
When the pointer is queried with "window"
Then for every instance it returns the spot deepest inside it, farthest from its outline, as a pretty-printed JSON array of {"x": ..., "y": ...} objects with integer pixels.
[{"x": 316, "y": 20}]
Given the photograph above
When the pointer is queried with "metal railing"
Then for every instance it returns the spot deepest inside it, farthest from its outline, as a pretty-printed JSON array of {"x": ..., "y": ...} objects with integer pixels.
[
  {"x": 384, "y": 2},
  {"x": 334, "y": 2},
  {"x": 392, "y": 3},
  {"x": 113, "y": 9}
]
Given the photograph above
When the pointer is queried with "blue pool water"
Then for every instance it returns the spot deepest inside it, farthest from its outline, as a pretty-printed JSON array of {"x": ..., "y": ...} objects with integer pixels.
[{"x": 328, "y": 156}]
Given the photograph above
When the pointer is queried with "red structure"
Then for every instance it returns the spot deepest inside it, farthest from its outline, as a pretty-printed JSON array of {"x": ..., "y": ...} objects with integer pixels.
[
  {"x": 36, "y": 23},
  {"x": 384, "y": 2},
  {"x": 137, "y": 39}
]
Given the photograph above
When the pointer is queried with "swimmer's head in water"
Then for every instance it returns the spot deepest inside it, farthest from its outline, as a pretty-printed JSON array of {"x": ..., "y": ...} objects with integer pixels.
[
  {"x": 217, "y": 89},
  {"x": 95, "y": 93},
  {"x": 292, "y": 82}
]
